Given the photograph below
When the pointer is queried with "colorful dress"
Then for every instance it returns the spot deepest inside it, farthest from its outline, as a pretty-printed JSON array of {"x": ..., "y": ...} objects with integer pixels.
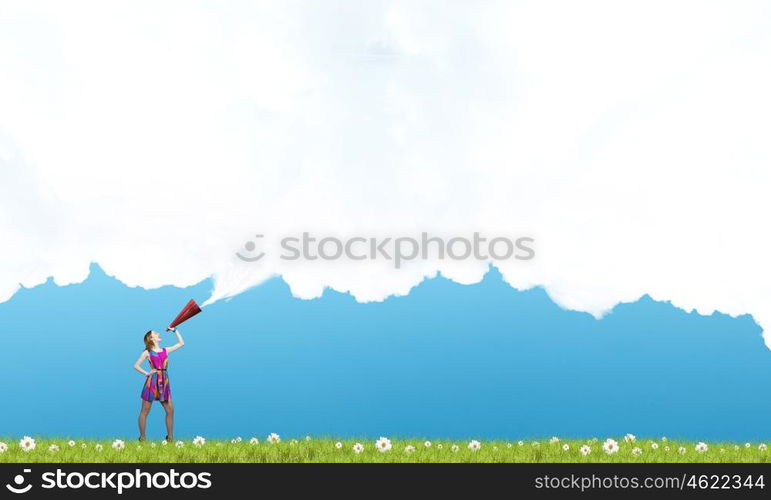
[{"x": 157, "y": 385}]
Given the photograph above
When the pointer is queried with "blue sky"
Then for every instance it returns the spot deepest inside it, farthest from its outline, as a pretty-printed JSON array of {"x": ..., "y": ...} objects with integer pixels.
[{"x": 446, "y": 361}]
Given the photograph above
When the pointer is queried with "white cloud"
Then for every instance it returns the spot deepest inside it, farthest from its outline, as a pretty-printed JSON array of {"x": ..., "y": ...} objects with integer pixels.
[{"x": 154, "y": 139}]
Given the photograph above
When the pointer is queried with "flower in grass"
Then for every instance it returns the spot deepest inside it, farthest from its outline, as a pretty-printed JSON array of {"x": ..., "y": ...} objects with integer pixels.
[
  {"x": 610, "y": 446},
  {"x": 520, "y": 443},
  {"x": 152, "y": 445},
  {"x": 474, "y": 445},
  {"x": 736, "y": 447},
  {"x": 666, "y": 448},
  {"x": 164, "y": 442},
  {"x": 427, "y": 444},
  {"x": 700, "y": 447},
  {"x": 293, "y": 442},
  {"x": 536, "y": 444},
  {"x": 233, "y": 441},
  {"x": 339, "y": 445},
  {"x": 409, "y": 449},
  {"x": 98, "y": 447},
  {"x": 53, "y": 448},
  {"x": 630, "y": 438},
  {"x": 254, "y": 440},
  {"x": 455, "y": 448},
  {"x": 3, "y": 447},
  {"x": 585, "y": 450},
  {"x": 747, "y": 445},
  {"x": 274, "y": 438},
  {"x": 554, "y": 439},
  {"x": 565, "y": 447},
  {"x": 636, "y": 451},
  {"x": 383, "y": 444},
  {"x": 439, "y": 446},
  {"x": 762, "y": 447},
  {"x": 83, "y": 445},
  {"x": 27, "y": 444},
  {"x": 199, "y": 441},
  {"x": 654, "y": 446},
  {"x": 118, "y": 445},
  {"x": 663, "y": 439},
  {"x": 307, "y": 438},
  {"x": 70, "y": 443},
  {"x": 509, "y": 445},
  {"x": 238, "y": 439},
  {"x": 681, "y": 450},
  {"x": 358, "y": 448},
  {"x": 179, "y": 444}
]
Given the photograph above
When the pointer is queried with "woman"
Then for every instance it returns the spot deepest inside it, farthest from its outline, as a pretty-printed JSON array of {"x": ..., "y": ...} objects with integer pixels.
[{"x": 156, "y": 386}]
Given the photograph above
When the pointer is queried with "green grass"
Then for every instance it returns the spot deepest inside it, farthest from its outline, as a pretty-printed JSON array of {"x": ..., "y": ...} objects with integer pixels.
[{"x": 325, "y": 450}]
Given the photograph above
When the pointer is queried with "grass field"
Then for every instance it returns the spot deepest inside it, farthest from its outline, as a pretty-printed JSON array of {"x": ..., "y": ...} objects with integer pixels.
[{"x": 309, "y": 449}]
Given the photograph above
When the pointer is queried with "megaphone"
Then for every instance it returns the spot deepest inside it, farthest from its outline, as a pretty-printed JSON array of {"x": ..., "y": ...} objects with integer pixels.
[{"x": 190, "y": 310}]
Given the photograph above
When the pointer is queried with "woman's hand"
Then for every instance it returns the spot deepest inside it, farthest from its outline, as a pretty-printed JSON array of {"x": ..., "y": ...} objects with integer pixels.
[{"x": 150, "y": 373}]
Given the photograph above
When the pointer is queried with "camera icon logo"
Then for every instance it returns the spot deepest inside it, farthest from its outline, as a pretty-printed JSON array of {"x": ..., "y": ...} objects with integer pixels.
[{"x": 19, "y": 480}]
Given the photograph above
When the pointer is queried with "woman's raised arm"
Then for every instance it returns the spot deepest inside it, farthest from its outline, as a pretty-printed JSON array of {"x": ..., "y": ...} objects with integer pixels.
[{"x": 180, "y": 341}]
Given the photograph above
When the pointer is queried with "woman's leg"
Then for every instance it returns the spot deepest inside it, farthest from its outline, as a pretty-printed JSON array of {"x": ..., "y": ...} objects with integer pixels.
[
  {"x": 143, "y": 418},
  {"x": 169, "y": 407}
]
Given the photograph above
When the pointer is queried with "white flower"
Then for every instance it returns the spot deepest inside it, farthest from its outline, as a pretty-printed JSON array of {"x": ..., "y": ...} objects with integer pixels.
[
  {"x": 508, "y": 445},
  {"x": 179, "y": 444},
  {"x": 565, "y": 447},
  {"x": 293, "y": 442},
  {"x": 274, "y": 438},
  {"x": 701, "y": 447},
  {"x": 736, "y": 447},
  {"x": 53, "y": 448},
  {"x": 474, "y": 445},
  {"x": 427, "y": 444},
  {"x": 70, "y": 443},
  {"x": 409, "y": 449},
  {"x": 654, "y": 446},
  {"x": 536, "y": 444},
  {"x": 27, "y": 444},
  {"x": 554, "y": 439},
  {"x": 666, "y": 448},
  {"x": 636, "y": 451},
  {"x": 164, "y": 442},
  {"x": 455, "y": 448},
  {"x": 233, "y": 441},
  {"x": 83, "y": 445},
  {"x": 747, "y": 445},
  {"x": 762, "y": 447},
  {"x": 681, "y": 450},
  {"x": 629, "y": 438},
  {"x": 199, "y": 441},
  {"x": 3, "y": 447},
  {"x": 254, "y": 440},
  {"x": 118, "y": 445},
  {"x": 98, "y": 447},
  {"x": 664, "y": 439},
  {"x": 585, "y": 450},
  {"x": 152, "y": 445},
  {"x": 383, "y": 444},
  {"x": 439, "y": 446},
  {"x": 610, "y": 446},
  {"x": 358, "y": 448},
  {"x": 339, "y": 445},
  {"x": 520, "y": 443},
  {"x": 307, "y": 438}
]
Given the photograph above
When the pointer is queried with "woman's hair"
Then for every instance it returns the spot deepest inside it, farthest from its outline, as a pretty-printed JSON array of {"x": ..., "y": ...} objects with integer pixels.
[{"x": 148, "y": 340}]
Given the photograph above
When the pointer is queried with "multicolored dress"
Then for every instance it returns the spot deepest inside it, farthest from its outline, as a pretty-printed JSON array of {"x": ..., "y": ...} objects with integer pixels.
[{"x": 157, "y": 385}]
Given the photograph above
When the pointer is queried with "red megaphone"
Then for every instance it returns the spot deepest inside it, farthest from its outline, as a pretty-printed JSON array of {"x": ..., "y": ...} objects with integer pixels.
[{"x": 190, "y": 310}]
